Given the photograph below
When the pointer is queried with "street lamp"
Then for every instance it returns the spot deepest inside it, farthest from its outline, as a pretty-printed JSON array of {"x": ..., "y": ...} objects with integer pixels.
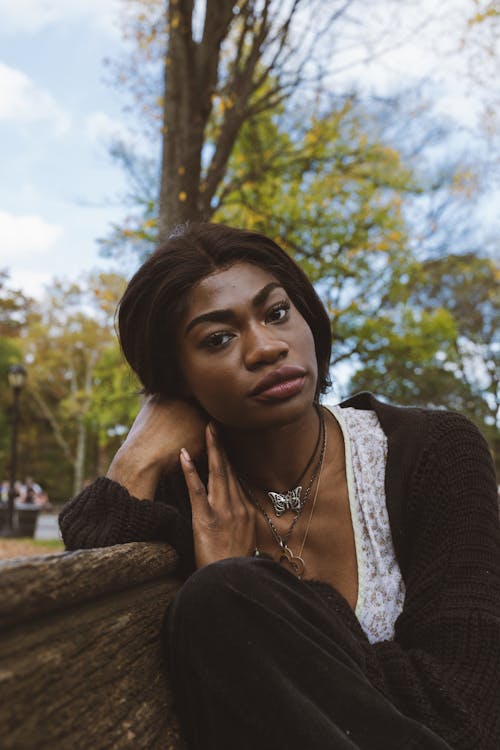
[{"x": 17, "y": 379}]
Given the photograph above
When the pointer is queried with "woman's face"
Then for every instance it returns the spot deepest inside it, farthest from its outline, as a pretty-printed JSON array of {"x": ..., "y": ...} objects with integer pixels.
[{"x": 247, "y": 355}]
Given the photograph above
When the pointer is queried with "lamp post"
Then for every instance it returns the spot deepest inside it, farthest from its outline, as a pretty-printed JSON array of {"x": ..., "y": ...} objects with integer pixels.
[{"x": 17, "y": 379}]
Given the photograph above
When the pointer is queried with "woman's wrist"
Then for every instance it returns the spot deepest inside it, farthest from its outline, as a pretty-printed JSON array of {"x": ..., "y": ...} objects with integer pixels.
[
  {"x": 139, "y": 475},
  {"x": 152, "y": 446}
]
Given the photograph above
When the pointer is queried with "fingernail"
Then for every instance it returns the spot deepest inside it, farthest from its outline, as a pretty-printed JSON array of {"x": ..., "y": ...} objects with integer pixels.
[
  {"x": 185, "y": 455},
  {"x": 213, "y": 429}
]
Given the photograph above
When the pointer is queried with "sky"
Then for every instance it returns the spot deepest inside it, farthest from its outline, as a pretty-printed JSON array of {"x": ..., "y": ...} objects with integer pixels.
[{"x": 59, "y": 188}]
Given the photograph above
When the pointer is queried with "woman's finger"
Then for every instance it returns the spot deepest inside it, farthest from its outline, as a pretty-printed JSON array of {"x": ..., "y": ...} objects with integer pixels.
[
  {"x": 218, "y": 489},
  {"x": 222, "y": 524},
  {"x": 196, "y": 488},
  {"x": 235, "y": 494}
]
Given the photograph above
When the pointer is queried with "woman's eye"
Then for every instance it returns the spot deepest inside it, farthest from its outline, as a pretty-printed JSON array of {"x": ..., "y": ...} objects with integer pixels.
[
  {"x": 279, "y": 312},
  {"x": 217, "y": 340}
]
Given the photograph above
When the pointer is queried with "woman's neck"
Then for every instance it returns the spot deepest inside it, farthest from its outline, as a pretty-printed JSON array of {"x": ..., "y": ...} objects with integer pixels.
[{"x": 273, "y": 459}]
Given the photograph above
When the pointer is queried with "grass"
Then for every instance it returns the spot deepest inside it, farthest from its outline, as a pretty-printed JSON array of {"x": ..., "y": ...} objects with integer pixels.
[
  {"x": 55, "y": 544},
  {"x": 26, "y": 547}
]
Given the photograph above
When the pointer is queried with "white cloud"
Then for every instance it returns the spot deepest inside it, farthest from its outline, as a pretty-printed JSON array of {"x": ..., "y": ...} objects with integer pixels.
[
  {"x": 100, "y": 127},
  {"x": 32, "y": 283},
  {"x": 32, "y": 16},
  {"x": 22, "y": 101},
  {"x": 25, "y": 237}
]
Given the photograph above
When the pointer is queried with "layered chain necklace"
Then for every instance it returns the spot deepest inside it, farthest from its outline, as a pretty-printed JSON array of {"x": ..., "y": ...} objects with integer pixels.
[
  {"x": 291, "y": 500},
  {"x": 287, "y": 557}
]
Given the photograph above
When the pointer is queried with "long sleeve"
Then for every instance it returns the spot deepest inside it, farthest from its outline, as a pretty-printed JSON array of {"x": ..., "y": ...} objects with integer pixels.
[
  {"x": 105, "y": 514},
  {"x": 443, "y": 666}
]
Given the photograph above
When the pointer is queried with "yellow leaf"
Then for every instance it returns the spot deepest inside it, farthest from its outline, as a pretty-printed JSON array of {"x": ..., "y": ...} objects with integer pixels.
[{"x": 182, "y": 196}]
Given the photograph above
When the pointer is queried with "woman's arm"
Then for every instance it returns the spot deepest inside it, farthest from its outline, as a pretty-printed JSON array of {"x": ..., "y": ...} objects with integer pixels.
[{"x": 119, "y": 508}]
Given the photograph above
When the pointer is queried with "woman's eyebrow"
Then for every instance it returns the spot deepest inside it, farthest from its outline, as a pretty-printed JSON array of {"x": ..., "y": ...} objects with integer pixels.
[
  {"x": 215, "y": 316},
  {"x": 264, "y": 293},
  {"x": 226, "y": 316}
]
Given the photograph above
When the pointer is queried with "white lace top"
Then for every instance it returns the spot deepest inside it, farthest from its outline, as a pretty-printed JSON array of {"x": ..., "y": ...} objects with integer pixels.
[{"x": 381, "y": 589}]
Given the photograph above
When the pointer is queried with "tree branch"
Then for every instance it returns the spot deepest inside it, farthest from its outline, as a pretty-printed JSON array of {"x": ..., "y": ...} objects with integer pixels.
[{"x": 49, "y": 416}]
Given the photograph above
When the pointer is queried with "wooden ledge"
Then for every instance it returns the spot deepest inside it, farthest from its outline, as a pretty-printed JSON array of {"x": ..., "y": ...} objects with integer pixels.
[
  {"x": 48, "y": 583},
  {"x": 82, "y": 663}
]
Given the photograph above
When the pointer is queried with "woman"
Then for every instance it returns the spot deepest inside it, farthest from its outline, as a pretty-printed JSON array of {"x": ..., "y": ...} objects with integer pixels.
[{"x": 342, "y": 564}]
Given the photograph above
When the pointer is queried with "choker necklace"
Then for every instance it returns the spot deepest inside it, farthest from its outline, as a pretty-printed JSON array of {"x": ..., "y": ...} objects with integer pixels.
[
  {"x": 287, "y": 557},
  {"x": 292, "y": 500}
]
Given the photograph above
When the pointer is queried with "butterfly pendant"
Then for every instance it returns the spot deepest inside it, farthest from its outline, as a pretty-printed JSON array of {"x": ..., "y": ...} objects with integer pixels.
[
  {"x": 291, "y": 562},
  {"x": 287, "y": 501}
]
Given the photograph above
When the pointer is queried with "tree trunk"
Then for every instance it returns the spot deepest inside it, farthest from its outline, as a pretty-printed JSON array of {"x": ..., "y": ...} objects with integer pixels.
[
  {"x": 186, "y": 109},
  {"x": 81, "y": 439}
]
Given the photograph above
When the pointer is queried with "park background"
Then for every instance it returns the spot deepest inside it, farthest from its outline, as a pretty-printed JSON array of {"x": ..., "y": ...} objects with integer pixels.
[{"x": 362, "y": 136}]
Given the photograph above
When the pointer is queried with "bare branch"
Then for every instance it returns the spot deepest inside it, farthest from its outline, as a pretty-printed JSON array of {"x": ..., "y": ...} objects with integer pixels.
[{"x": 49, "y": 416}]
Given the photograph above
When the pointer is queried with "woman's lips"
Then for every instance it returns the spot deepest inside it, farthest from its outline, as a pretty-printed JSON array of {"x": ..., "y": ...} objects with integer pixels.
[
  {"x": 282, "y": 383},
  {"x": 284, "y": 389}
]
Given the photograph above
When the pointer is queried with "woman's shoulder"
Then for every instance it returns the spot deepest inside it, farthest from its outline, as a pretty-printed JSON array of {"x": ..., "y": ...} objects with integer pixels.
[
  {"x": 425, "y": 423},
  {"x": 419, "y": 438}
]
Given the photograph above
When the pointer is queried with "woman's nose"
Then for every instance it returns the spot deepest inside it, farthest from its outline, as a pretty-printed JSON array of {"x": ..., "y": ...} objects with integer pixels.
[{"x": 263, "y": 346}]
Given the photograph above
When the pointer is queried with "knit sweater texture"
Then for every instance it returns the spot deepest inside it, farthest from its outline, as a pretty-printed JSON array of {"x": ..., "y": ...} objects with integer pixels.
[{"x": 443, "y": 665}]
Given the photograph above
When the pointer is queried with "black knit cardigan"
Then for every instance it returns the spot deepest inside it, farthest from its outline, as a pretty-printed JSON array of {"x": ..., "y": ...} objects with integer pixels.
[{"x": 443, "y": 665}]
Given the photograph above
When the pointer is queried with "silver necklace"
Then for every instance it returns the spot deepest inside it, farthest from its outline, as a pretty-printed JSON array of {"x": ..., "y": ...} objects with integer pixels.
[
  {"x": 291, "y": 499},
  {"x": 287, "y": 556}
]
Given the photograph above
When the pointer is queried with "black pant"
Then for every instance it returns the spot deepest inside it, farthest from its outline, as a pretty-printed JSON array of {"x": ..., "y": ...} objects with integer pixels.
[{"x": 258, "y": 661}]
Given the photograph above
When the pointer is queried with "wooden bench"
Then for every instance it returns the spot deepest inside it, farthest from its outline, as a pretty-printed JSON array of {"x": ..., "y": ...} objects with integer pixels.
[{"x": 80, "y": 656}]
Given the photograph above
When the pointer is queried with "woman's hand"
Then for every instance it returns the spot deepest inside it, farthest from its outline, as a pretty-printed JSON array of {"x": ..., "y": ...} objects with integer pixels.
[
  {"x": 152, "y": 446},
  {"x": 223, "y": 518}
]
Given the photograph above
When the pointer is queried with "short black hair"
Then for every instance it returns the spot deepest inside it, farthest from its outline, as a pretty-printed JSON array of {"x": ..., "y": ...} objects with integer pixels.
[{"x": 155, "y": 300}]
